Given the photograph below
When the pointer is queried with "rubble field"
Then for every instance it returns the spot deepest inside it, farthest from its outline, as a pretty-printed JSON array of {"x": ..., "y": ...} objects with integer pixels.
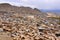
[{"x": 16, "y": 26}]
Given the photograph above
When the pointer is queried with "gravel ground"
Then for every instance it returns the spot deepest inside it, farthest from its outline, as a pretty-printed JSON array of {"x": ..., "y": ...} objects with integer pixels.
[{"x": 27, "y": 27}]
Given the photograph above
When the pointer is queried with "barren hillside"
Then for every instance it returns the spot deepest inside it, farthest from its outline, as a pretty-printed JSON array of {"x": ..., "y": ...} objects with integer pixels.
[{"x": 25, "y": 23}]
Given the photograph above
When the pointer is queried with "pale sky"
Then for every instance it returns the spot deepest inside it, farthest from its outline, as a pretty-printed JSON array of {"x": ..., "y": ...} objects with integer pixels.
[{"x": 41, "y": 4}]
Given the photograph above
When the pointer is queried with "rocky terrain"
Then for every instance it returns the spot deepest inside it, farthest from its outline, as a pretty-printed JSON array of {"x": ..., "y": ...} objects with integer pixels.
[{"x": 25, "y": 23}]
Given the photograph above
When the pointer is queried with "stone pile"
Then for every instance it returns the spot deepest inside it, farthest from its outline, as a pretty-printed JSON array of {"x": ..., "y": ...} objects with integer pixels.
[{"x": 25, "y": 27}]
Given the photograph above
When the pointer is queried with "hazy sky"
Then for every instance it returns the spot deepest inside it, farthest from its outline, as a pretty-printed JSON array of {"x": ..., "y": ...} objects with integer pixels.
[{"x": 41, "y": 4}]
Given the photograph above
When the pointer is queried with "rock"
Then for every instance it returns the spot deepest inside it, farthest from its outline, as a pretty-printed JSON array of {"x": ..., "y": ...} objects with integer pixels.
[
  {"x": 41, "y": 29},
  {"x": 4, "y": 37},
  {"x": 58, "y": 35},
  {"x": 37, "y": 38},
  {"x": 1, "y": 29}
]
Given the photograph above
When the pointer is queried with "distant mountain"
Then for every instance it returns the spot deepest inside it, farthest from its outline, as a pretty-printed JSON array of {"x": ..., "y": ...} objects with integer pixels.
[{"x": 53, "y": 11}]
